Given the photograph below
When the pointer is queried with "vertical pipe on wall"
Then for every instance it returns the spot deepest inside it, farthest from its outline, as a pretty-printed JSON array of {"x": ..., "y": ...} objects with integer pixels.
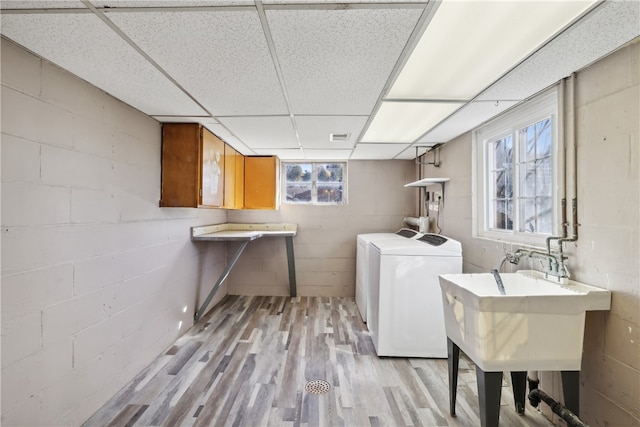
[
  {"x": 572, "y": 160},
  {"x": 568, "y": 155},
  {"x": 420, "y": 193},
  {"x": 563, "y": 131}
]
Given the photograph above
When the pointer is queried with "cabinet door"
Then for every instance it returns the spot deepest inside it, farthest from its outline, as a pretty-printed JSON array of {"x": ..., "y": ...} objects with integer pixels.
[
  {"x": 212, "y": 170},
  {"x": 261, "y": 182},
  {"x": 230, "y": 155},
  {"x": 180, "y": 163},
  {"x": 239, "y": 181}
]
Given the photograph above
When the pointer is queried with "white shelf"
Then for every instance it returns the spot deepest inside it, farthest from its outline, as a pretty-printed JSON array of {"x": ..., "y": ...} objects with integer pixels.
[{"x": 425, "y": 182}]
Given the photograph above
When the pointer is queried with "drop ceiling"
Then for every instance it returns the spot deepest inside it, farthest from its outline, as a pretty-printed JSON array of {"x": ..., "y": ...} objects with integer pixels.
[{"x": 279, "y": 76}]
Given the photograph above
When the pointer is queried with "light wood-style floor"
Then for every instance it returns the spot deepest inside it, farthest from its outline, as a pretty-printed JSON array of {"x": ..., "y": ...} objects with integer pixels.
[{"x": 247, "y": 363}]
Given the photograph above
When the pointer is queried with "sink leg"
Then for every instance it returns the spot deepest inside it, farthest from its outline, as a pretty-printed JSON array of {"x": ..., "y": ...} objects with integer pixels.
[
  {"x": 453, "y": 359},
  {"x": 489, "y": 391},
  {"x": 519, "y": 384},
  {"x": 571, "y": 391}
]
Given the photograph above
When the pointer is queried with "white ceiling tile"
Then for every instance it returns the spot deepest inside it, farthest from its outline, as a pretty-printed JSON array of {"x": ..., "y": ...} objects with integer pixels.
[
  {"x": 314, "y": 130},
  {"x": 612, "y": 25},
  {"x": 338, "y": 61},
  {"x": 221, "y": 57},
  {"x": 224, "y": 134},
  {"x": 263, "y": 132},
  {"x": 84, "y": 45},
  {"x": 319, "y": 154},
  {"x": 34, "y": 4},
  {"x": 184, "y": 119},
  {"x": 377, "y": 151},
  {"x": 214, "y": 126},
  {"x": 411, "y": 153},
  {"x": 283, "y": 154},
  {"x": 465, "y": 119}
]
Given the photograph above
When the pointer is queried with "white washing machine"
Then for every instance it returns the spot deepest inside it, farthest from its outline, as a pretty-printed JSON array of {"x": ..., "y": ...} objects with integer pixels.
[
  {"x": 406, "y": 317},
  {"x": 362, "y": 263}
]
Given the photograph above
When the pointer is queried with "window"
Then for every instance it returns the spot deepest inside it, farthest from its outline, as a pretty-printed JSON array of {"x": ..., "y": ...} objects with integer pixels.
[
  {"x": 515, "y": 161},
  {"x": 315, "y": 183}
]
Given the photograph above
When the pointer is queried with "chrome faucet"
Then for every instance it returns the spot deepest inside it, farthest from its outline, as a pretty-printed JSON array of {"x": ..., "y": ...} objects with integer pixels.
[
  {"x": 496, "y": 275},
  {"x": 555, "y": 266}
]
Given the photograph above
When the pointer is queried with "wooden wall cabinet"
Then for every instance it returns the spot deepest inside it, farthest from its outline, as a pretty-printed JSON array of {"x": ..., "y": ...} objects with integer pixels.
[
  {"x": 200, "y": 170},
  {"x": 261, "y": 182},
  {"x": 192, "y": 167}
]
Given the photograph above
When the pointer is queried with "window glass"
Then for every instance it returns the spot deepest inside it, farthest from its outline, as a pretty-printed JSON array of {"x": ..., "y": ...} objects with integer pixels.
[
  {"x": 514, "y": 197},
  {"x": 330, "y": 181},
  {"x": 501, "y": 172},
  {"x": 315, "y": 183},
  {"x": 535, "y": 202},
  {"x": 298, "y": 184}
]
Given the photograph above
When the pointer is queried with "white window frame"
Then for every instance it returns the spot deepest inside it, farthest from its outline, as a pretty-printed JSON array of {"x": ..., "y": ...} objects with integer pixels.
[
  {"x": 542, "y": 106},
  {"x": 314, "y": 182}
]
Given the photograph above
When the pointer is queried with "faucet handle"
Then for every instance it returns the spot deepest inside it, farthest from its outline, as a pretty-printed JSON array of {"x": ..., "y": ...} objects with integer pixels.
[{"x": 513, "y": 258}]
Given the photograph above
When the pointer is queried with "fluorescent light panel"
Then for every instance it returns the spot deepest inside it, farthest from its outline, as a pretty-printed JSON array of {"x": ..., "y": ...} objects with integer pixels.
[
  {"x": 407, "y": 121},
  {"x": 469, "y": 44},
  {"x": 465, "y": 48}
]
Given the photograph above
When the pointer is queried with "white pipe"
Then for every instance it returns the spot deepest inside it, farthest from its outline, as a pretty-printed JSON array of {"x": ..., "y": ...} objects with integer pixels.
[
  {"x": 412, "y": 221},
  {"x": 572, "y": 150},
  {"x": 563, "y": 133},
  {"x": 422, "y": 223},
  {"x": 572, "y": 161}
]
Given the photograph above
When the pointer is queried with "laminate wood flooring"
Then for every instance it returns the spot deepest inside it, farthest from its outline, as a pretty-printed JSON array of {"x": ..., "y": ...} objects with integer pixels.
[{"x": 246, "y": 363}]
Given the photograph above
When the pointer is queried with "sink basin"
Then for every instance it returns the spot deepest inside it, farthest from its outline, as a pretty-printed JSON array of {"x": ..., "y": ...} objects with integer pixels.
[{"x": 537, "y": 325}]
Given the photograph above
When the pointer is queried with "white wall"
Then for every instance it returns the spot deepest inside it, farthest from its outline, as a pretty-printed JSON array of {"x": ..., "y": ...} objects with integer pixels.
[
  {"x": 607, "y": 253},
  {"x": 95, "y": 276},
  {"x": 325, "y": 247}
]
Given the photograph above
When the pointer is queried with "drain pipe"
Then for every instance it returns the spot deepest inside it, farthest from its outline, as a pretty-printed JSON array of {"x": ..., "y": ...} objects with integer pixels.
[{"x": 536, "y": 395}]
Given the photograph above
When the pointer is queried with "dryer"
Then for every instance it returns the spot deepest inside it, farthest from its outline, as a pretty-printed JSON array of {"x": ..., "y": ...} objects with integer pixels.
[
  {"x": 406, "y": 317},
  {"x": 362, "y": 263}
]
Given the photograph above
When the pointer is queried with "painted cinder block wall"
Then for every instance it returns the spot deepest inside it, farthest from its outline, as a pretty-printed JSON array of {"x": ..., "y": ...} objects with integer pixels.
[
  {"x": 97, "y": 280},
  {"x": 325, "y": 246},
  {"x": 607, "y": 253}
]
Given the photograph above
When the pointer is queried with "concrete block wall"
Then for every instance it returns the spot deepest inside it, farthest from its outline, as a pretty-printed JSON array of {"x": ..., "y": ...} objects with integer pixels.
[
  {"x": 325, "y": 246},
  {"x": 607, "y": 253},
  {"x": 97, "y": 280}
]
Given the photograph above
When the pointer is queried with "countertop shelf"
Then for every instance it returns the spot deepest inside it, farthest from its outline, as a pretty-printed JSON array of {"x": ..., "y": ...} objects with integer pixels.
[
  {"x": 244, "y": 233},
  {"x": 426, "y": 182},
  {"x": 230, "y": 232}
]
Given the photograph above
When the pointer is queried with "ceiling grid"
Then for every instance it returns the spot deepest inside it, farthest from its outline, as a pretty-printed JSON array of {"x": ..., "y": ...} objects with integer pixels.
[{"x": 279, "y": 76}]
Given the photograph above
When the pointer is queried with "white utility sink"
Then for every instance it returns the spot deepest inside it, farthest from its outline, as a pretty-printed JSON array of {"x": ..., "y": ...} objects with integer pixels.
[{"x": 537, "y": 325}]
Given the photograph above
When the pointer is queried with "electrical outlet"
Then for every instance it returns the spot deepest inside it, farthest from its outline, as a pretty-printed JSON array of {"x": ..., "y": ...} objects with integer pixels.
[{"x": 437, "y": 196}]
